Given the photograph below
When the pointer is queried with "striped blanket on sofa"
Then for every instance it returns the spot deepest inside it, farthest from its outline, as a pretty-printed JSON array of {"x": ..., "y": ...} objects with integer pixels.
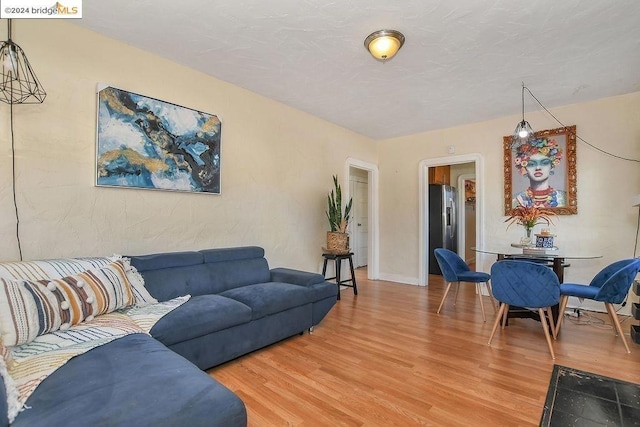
[{"x": 29, "y": 364}]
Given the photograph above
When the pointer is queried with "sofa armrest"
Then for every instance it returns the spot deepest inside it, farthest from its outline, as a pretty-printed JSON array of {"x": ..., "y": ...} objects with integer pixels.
[{"x": 295, "y": 277}]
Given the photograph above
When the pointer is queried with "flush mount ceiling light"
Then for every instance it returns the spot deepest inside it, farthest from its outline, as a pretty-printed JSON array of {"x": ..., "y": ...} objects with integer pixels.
[
  {"x": 523, "y": 133},
  {"x": 18, "y": 84},
  {"x": 384, "y": 44}
]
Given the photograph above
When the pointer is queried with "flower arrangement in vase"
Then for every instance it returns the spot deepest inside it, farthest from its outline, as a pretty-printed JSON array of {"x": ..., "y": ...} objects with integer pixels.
[{"x": 528, "y": 217}]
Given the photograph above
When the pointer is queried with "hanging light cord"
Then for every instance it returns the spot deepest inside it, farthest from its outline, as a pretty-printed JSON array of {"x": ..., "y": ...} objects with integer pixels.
[
  {"x": 577, "y": 136},
  {"x": 523, "y": 88},
  {"x": 13, "y": 180},
  {"x": 13, "y": 157}
]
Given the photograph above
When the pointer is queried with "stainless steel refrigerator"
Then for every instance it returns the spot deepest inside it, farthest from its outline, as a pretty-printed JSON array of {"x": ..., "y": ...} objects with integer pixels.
[{"x": 443, "y": 228}]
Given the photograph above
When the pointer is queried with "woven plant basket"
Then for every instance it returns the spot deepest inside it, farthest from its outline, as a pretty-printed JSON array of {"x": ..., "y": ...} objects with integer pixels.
[{"x": 337, "y": 243}]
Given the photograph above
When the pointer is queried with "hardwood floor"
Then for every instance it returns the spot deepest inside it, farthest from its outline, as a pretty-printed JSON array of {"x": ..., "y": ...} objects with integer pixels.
[{"x": 385, "y": 358}]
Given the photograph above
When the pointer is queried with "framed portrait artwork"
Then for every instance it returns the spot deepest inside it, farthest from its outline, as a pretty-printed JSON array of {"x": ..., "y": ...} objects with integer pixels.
[
  {"x": 542, "y": 172},
  {"x": 146, "y": 143}
]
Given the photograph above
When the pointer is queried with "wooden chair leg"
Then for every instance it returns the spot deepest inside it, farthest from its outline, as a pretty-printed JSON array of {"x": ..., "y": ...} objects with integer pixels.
[
  {"x": 505, "y": 315},
  {"x": 551, "y": 322},
  {"x": 444, "y": 297},
  {"x": 479, "y": 292},
  {"x": 497, "y": 321},
  {"x": 545, "y": 327},
  {"x": 455, "y": 299},
  {"x": 563, "y": 305},
  {"x": 493, "y": 301},
  {"x": 613, "y": 321},
  {"x": 614, "y": 316}
]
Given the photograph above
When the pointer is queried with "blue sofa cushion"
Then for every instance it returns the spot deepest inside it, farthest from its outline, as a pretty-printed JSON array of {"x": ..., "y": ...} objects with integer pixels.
[
  {"x": 168, "y": 283},
  {"x": 271, "y": 297},
  {"x": 233, "y": 274},
  {"x": 323, "y": 290},
  {"x": 232, "y": 254},
  {"x": 132, "y": 381},
  {"x": 234, "y": 267},
  {"x": 296, "y": 277},
  {"x": 199, "y": 316},
  {"x": 315, "y": 282},
  {"x": 166, "y": 260},
  {"x": 173, "y": 274}
]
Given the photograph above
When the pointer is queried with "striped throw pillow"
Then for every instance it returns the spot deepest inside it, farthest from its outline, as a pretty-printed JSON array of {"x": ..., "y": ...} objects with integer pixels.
[
  {"x": 59, "y": 268},
  {"x": 29, "y": 308},
  {"x": 51, "y": 268}
]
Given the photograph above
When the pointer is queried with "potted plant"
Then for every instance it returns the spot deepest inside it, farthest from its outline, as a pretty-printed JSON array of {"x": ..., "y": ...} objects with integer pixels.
[{"x": 337, "y": 238}]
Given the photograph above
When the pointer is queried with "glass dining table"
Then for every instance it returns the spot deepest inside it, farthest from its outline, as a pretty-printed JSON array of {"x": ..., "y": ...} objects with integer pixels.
[{"x": 555, "y": 258}]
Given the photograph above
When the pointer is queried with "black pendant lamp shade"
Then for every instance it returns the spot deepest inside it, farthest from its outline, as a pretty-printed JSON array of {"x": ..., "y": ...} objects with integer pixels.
[{"x": 19, "y": 84}]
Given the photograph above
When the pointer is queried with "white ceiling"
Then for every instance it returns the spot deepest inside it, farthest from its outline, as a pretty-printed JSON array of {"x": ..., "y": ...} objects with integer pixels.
[{"x": 463, "y": 60}]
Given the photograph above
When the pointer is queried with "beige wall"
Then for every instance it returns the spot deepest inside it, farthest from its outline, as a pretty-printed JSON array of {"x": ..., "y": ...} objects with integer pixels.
[
  {"x": 277, "y": 162},
  {"x": 606, "y": 222}
]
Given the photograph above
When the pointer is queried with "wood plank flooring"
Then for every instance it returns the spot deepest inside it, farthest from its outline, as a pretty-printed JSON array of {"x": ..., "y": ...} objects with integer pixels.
[{"x": 385, "y": 358}]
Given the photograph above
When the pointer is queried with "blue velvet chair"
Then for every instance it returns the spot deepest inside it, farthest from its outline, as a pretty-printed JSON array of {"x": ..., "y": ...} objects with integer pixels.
[
  {"x": 455, "y": 270},
  {"x": 611, "y": 286},
  {"x": 525, "y": 284}
]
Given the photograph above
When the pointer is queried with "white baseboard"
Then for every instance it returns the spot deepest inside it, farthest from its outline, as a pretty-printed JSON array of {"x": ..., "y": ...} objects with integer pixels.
[{"x": 399, "y": 279}]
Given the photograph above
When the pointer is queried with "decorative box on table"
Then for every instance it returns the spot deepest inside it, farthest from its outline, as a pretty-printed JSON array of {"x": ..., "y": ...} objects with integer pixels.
[{"x": 544, "y": 241}]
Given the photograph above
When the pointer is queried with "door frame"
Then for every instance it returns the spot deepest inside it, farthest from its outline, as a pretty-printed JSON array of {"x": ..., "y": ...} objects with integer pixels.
[
  {"x": 373, "y": 254},
  {"x": 423, "y": 226}
]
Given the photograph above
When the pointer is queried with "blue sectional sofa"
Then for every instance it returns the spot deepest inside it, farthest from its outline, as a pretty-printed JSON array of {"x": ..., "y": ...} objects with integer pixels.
[{"x": 237, "y": 305}]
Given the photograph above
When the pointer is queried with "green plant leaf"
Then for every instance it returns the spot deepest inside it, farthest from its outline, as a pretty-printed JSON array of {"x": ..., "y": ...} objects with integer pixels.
[{"x": 334, "y": 208}]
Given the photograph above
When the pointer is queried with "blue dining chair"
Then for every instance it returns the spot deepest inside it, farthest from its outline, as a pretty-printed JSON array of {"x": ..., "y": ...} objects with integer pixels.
[
  {"x": 525, "y": 284},
  {"x": 610, "y": 286},
  {"x": 455, "y": 270}
]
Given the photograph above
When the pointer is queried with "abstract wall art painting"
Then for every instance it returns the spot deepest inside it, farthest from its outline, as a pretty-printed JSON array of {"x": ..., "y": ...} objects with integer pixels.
[{"x": 146, "y": 143}]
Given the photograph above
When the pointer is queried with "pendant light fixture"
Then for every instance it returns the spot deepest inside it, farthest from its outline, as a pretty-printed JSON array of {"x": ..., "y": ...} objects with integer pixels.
[
  {"x": 523, "y": 133},
  {"x": 384, "y": 44},
  {"x": 19, "y": 84}
]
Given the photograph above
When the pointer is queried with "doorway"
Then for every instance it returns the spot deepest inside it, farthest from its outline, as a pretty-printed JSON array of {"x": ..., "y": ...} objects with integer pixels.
[
  {"x": 362, "y": 186},
  {"x": 423, "y": 228},
  {"x": 359, "y": 225}
]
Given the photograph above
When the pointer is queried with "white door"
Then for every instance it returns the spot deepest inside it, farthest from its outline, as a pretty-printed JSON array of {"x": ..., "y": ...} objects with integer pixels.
[{"x": 361, "y": 222}]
